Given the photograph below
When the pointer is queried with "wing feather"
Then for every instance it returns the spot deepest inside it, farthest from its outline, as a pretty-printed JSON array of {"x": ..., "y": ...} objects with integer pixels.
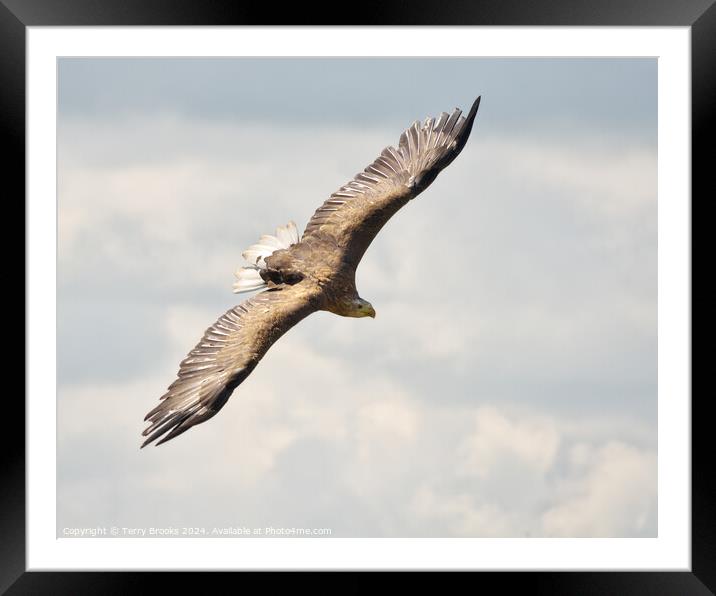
[
  {"x": 226, "y": 354},
  {"x": 354, "y": 214}
]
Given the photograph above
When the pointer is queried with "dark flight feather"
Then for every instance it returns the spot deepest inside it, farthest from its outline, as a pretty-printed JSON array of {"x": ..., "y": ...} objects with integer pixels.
[
  {"x": 225, "y": 356},
  {"x": 356, "y": 212}
]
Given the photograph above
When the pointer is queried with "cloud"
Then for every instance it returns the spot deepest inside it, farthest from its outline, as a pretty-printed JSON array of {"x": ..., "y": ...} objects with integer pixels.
[
  {"x": 613, "y": 184},
  {"x": 522, "y": 488},
  {"x": 613, "y": 494},
  {"x": 496, "y": 440}
]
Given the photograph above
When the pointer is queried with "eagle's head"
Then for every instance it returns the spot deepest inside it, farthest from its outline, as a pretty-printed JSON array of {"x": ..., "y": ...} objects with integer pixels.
[
  {"x": 363, "y": 308},
  {"x": 356, "y": 307}
]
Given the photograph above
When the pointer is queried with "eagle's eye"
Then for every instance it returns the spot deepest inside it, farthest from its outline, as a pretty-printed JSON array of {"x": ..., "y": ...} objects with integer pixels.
[{"x": 360, "y": 306}]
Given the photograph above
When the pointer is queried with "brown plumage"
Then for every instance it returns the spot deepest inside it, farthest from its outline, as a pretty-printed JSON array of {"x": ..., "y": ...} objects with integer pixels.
[{"x": 302, "y": 277}]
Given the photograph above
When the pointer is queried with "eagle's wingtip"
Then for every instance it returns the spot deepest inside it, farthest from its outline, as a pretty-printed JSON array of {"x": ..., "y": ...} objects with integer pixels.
[
  {"x": 475, "y": 105},
  {"x": 471, "y": 117}
]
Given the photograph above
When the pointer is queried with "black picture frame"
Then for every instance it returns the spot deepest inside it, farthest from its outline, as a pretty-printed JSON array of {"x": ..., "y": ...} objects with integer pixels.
[{"x": 17, "y": 15}]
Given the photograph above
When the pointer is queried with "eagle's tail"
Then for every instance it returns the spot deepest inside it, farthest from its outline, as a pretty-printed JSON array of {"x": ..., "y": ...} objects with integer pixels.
[{"x": 248, "y": 277}]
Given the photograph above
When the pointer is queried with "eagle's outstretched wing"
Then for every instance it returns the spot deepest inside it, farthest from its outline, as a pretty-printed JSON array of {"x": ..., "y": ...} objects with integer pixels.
[
  {"x": 355, "y": 213},
  {"x": 230, "y": 349}
]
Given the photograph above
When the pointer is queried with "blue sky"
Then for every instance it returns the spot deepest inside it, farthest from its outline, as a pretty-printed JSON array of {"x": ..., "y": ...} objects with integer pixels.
[{"x": 507, "y": 386}]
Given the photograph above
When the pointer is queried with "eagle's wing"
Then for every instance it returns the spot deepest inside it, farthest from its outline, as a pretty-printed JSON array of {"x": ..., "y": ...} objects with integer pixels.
[
  {"x": 225, "y": 356},
  {"x": 355, "y": 213}
]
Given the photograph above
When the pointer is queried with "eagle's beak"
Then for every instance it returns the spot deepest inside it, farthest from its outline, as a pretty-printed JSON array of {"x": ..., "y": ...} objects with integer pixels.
[{"x": 371, "y": 313}]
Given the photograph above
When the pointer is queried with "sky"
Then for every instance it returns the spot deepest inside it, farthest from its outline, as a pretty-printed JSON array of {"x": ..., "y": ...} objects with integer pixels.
[{"x": 508, "y": 384}]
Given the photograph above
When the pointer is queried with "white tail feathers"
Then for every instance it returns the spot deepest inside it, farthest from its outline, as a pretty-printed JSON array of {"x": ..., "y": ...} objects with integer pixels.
[
  {"x": 248, "y": 277},
  {"x": 256, "y": 253}
]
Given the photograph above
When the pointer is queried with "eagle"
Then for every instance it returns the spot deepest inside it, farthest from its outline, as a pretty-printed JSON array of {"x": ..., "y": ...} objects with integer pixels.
[{"x": 299, "y": 277}]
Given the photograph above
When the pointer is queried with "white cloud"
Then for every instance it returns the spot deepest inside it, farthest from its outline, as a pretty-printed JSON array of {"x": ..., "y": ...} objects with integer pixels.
[
  {"x": 614, "y": 182},
  {"x": 614, "y": 494},
  {"x": 497, "y": 439},
  {"x": 606, "y": 490},
  {"x": 460, "y": 516}
]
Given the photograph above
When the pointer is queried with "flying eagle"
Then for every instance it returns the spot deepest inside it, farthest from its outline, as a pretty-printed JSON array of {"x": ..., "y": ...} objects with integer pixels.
[{"x": 300, "y": 277}]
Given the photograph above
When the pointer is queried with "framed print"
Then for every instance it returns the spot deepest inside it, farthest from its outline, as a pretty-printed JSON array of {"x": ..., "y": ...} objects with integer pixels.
[{"x": 517, "y": 394}]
